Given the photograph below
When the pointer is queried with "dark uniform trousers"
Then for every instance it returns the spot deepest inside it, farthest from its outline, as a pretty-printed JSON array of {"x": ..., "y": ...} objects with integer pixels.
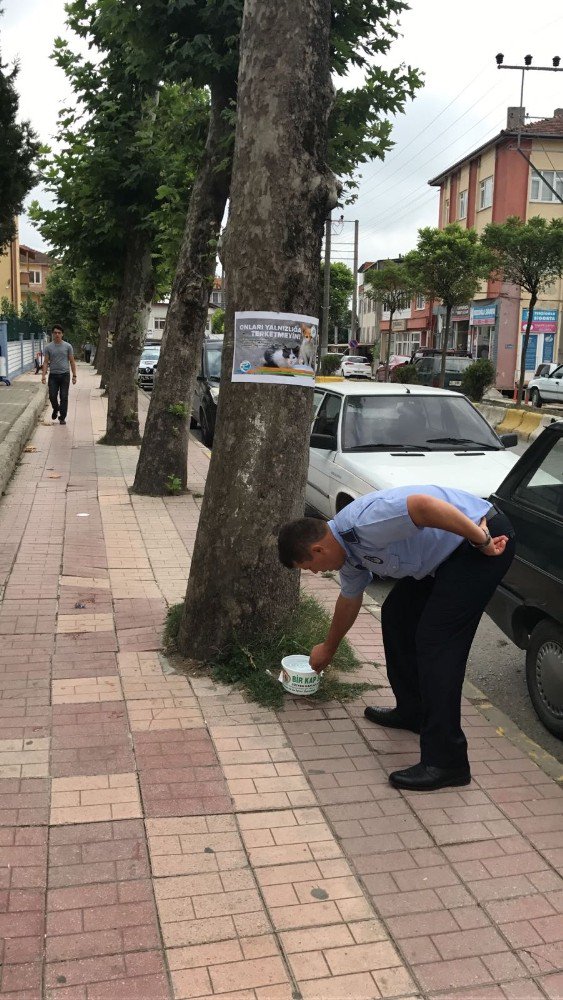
[{"x": 428, "y": 626}]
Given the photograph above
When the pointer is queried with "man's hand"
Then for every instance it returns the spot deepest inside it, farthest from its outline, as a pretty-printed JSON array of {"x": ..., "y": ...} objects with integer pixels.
[
  {"x": 321, "y": 656},
  {"x": 43, "y": 379},
  {"x": 496, "y": 546},
  {"x": 74, "y": 379}
]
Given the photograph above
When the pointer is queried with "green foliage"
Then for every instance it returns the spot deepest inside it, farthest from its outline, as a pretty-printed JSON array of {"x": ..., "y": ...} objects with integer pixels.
[
  {"x": 448, "y": 264},
  {"x": 218, "y": 322},
  {"x": 254, "y": 666},
  {"x": 529, "y": 254},
  {"x": 31, "y": 311},
  {"x": 173, "y": 485},
  {"x": 18, "y": 151},
  {"x": 178, "y": 409},
  {"x": 59, "y": 304},
  {"x": 392, "y": 286},
  {"x": 406, "y": 373},
  {"x": 341, "y": 288},
  {"x": 330, "y": 363},
  {"x": 476, "y": 378},
  {"x": 7, "y": 308}
]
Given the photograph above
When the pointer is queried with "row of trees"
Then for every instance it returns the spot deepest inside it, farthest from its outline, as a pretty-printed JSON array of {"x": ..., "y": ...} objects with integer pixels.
[
  {"x": 184, "y": 106},
  {"x": 450, "y": 264}
]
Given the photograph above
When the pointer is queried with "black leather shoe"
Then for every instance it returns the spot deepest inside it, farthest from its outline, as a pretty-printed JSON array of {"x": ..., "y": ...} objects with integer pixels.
[
  {"x": 426, "y": 778},
  {"x": 61, "y": 421},
  {"x": 390, "y": 717},
  {"x": 54, "y": 414}
]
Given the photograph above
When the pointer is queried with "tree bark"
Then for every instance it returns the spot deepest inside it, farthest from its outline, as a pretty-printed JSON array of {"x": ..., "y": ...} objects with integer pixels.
[
  {"x": 522, "y": 376},
  {"x": 448, "y": 323},
  {"x": 102, "y": 348},
  {"x": 164, "y": 449},
  {"x": 136, "y": 293},
  {"x": 388, "y": 351},
  {"x": 281, "y": 193}
]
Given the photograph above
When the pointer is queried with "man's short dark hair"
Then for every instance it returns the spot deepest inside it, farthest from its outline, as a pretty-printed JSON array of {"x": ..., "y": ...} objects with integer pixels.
[
  {"x": 296, "y": 537},
  {"x": 57, "y": 326}
]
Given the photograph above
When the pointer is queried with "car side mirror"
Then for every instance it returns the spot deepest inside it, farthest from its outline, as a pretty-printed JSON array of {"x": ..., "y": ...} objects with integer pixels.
[
  {"x": 326, "y": 442},
  {"x": 509, "y": 440}
]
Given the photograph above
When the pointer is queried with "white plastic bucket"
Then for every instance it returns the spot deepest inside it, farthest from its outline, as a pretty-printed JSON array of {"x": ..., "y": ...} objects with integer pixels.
[{"x": 297, "y": 675}]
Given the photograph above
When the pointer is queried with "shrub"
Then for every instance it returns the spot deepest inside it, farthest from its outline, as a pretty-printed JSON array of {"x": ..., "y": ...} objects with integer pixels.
[
  {"x": 405, "y": 373},
  {"x": 330, "y": 363},
  {"x": 476, "y": 378}
]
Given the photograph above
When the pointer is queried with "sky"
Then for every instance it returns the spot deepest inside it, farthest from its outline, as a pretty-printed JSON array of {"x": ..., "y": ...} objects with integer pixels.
[{"x": 463, "y": 102}]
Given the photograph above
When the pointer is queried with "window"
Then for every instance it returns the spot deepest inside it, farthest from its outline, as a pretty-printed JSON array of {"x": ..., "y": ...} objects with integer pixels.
[
  {"x": 328, "y": 416},
  {"x": 540, "y": 190},
  {"x": 446, "y": 218},
  {"x": 462, "y": 207},
  {"x": 35, "y": 277},
  {"x": 419, "y": 302},
  {"x": 543, "y": 488},
  {"x": 159, "y": 324},
  {"x": 215, "y": 297},
  {"x": 486, "y": 193}
]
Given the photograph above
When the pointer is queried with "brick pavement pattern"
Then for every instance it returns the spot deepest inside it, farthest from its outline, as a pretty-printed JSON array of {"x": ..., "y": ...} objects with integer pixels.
[{"x": 161, "y": 837}]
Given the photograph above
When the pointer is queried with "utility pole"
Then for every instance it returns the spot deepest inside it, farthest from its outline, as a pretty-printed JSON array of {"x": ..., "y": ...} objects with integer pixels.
[
  {"x": 326, "y": 289},
  {"x": 354, "y": 323}
]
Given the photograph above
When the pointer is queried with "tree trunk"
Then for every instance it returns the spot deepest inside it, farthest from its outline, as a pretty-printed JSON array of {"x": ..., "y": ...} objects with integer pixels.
[
  {"x": 442, "y": 378},
  {"x": 388, "y": 351},
  {"x": 281, "y": 194},
  {"x": 136, "y": 293},
  {"x": 522, "y": 375},
  {"x": 164, "y": 449}
]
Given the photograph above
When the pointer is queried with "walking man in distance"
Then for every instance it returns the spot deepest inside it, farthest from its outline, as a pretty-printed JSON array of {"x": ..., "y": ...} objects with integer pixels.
[{"x": 59, "y": 359}]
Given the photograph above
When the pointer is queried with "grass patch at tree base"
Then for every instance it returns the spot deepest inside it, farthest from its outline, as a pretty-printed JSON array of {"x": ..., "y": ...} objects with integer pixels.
[{"x": 254, "y": 666}]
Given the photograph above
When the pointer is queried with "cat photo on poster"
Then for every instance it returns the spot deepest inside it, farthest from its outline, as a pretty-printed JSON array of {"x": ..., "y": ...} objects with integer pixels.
[{"x": 275, "y": 348}]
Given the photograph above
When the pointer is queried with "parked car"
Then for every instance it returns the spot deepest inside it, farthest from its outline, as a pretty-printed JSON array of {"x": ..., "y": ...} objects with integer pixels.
[
  {"x": 545, "y": 368},
  {"x": 376, "y": 436},
  {"x": 428, "y": 370},
  {"x": 355, "y": 366},
  {"x": 395, "y": 361},
  {"x": 146, "y": 373},
  {"x": 206, "y": 391},
  {"x": 546, "y": 388},
  {"x": 528, "y": 605}
]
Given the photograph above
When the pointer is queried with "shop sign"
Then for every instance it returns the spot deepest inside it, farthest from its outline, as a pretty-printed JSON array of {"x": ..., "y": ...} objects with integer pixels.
[
  {"x": 543, "y": 321},
  {"x": 483, "y": 315}
]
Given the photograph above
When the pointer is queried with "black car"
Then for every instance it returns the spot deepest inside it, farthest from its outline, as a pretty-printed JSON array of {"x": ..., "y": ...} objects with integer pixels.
[
  {"x": 428, "y": 370},
  {"x": 206, "y": 391},
  {"x": 146, "y": 373},
  {"x": 528, "y": 605}
]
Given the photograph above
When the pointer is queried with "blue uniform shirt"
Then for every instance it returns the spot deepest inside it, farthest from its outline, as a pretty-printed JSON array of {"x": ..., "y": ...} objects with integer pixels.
[{"x": 379, "y": 536}]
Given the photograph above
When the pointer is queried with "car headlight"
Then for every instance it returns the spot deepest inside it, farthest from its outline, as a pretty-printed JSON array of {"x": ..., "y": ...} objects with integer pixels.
[{"x": 214, "y": 392}]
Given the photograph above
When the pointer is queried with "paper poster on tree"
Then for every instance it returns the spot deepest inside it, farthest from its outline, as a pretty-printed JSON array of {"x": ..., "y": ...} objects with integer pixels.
[{"x": 278, "y": 348}]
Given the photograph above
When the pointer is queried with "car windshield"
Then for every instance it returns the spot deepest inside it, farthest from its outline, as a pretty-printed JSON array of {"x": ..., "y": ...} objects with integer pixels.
[
  {"x": 213, "y": 360},
  {"x": 456, "y": 364},
  {"x": 432, "y": 423},
  {"x": 150, "y": 356}
]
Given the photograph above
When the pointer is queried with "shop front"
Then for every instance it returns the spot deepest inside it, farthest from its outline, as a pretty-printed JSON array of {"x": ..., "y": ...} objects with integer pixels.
[
  {"x": 482, "y": 330},
  {"x": 541, "y": 342}
]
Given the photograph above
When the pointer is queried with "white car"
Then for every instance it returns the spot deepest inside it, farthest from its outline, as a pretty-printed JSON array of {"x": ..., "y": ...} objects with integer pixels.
[
  {"x": 355, "y": 366},
  {"x": 378, "y": 436},
  {"x": 546, "y": 388}
]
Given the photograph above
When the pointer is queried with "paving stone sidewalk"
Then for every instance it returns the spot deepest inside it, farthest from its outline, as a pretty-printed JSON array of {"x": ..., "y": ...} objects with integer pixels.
[{"x": 163, "y": 838}]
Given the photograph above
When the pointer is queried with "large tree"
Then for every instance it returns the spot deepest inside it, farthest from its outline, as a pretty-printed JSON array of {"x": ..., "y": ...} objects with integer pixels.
[
  {"x": 282, "y": 191},
  {"x": 448, "y": 265},
  {"x": 206, "y": 35},
  {"x": 341, "y": 287},
  {"x": 528, "y": 254},
  {"x": 393, "y": 287},
  {"x": 18, "y": 151},
  {"x": 129, "y": 148}
]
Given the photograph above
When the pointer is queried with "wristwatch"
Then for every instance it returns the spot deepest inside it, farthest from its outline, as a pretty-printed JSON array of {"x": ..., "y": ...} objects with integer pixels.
[{"x": 482, "y": 545}]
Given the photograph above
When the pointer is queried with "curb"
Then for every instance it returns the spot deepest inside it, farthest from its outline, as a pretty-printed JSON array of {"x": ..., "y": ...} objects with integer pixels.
[
  {"x": 16, "y": 438},
  {"x": 527, "y": 424}
]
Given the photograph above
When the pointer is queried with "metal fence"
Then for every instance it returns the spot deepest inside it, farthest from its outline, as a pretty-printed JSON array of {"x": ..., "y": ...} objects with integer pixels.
[{"x": 20, "y": 340}]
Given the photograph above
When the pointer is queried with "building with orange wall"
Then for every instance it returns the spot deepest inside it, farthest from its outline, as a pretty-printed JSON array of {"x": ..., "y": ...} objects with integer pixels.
[{"x": 490, "y": 184}]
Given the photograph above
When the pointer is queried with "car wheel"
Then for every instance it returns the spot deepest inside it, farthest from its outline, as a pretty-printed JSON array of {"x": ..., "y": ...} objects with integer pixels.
[
  {"x": 536, "y": 398},
  {"x": 544, "y": 675},
  {"x": 206, "y": 432}
]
